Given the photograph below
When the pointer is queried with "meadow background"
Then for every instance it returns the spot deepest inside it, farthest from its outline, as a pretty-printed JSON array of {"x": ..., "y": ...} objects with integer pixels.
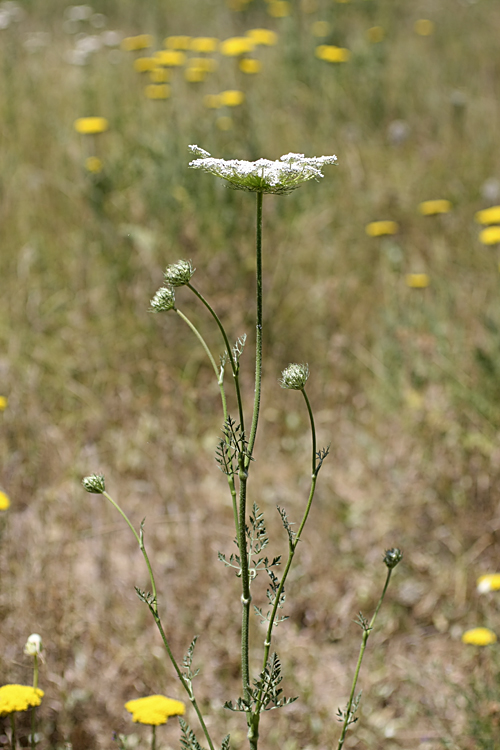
[{"x": 404, "y": 381}]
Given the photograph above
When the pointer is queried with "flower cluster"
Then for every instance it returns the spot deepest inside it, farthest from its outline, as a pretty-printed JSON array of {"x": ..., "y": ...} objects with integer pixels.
[
  {"x": 94, "y": 484},
  {"x": 154, "y": 709},
  {"x": 18, "y": 698},
  {"x": 263, "y": 176},
  {"x": 294, "y": 377}
]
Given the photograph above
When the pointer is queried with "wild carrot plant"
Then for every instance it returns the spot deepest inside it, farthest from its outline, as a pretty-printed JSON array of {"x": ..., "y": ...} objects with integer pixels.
[{"x": 235, "y": 455}]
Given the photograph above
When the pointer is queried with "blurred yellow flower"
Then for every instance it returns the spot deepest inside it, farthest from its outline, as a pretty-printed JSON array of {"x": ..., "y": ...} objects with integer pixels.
[
  {"x": 320, "y": 28},
  {"x": 208, "y": 64},
  {"x": 18, "y": 698},
  {"x": 91, "y": 125},
  {"x": 489, "y": 582},
  {"x": 375, "y": 34},
  {"x": 490, "y": 236},
  {"x": 4, "y": 501},
  {"x": 159, "y": 75},
  {"x": 479, "y": 637},
  {"x": 155, "y": 709},
  {"x": 417, "y": 280},
  {"x": 144, "y": 64},
  {"x": 212, "y": 101},
  {"x": 93, "y": 164},
  {"x": 424, "y": 27},
  {"x": 224, "y": 123},
  {"x": 488, "y": 215},
  {"x": 279, "y": 8},
  {"x": 432, "y": 208},
  {"x": 204, "y": 44},
  {"x": 265, "y": 37},
  {"x": 177, "y": 42},
  {"x": 236, "y": 45},
  {"x": 157, "y": 91},
  {"x": 170, "y": 58},
  {"x": 194, "y": 74},
  {"x": 342, "y": 1},
  {"x": 134, "y": 43},
  {"x": 249, "y": 65},
  {"x": 380, "y": 228},
  {"x": 3, "y": 403},
  {"x": 232, "y": 98},
  {"x": 332, "y": 54}
]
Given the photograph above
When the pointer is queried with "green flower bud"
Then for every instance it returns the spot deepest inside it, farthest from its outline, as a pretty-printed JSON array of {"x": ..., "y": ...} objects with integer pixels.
[
  {"x": 164, "y": 299},
  {"x": 392, "y": 557},
  {"x": 180, "y": 273},
  {"x": 94, "y": 484},
  {"x": 295, "y": 377}
]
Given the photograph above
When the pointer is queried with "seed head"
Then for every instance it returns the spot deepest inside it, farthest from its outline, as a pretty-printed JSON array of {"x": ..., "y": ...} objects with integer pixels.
[
  {"x": 163, "y": 300},
  {"x": 179, "y": 274},
  {"x": 295, "y": 377},
  {"x": 94, "y": 484}
]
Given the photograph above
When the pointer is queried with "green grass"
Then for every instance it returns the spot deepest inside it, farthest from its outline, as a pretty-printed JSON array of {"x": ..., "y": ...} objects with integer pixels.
[{"x": 405, "y": 381}]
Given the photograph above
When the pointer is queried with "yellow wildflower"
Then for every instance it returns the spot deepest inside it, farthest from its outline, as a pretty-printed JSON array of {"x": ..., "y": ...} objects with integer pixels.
[
  {"x": 432, "y": 208},
  {"x": 330, "y": 53},
  {"x": 232, "y": 98},
  {"x": 417, "y": 280},
  {"x": 3, "y": 403},
  {"x": 157, "y": 91},
  {"x": 490, "y": 236},
  {"x": 375, "y": 34},
  {"x": 145, "y": 64},
  {"x": 91, "y": 125},
  {"x": 93, "y": 164},
  {"x": 279, "y": 9},
  {"x": 236, "y": 45},
  {"x": 379, "y": 228},
  {"x": 177, "y": 42},
  {"x": 249, "y": 65},
  {"x": 320, "y": 28},
  {"x": 159, "y": 75},
  {"x": 488, "y": 215},
  {"x": 155, "y": 709},
  {"x": 212, "y": 101},
  {"x": 18, "y": 698},
  {"x": 134, "y": 43},
  {"x": 4, "y": 501},
  {"x": 194, "y": 74},
  {"x": 224, "y": 123},
  {"x": 479, "y": 637},
  {"x": 204, "y": 44},
  {"x": 424, "y": 27},
  {"x": 265, "y": 37},
  {"x": 170, "y": 58},
  {"x": 208, "y": 64},
  {"x": 489, "y": 582}
]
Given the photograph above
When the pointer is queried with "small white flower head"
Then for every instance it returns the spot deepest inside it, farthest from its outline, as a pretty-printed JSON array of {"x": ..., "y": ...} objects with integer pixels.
[
  {"x": 179, "y": 274},
  {"x": 393, "y": 557},
  {"x": 94, "y": 484},
  {"x": 163, "y": 300},
  {"x": 263, "y": 176},
  {"x": 33, "y": 646},
  {"x": 295, "y": 377}
]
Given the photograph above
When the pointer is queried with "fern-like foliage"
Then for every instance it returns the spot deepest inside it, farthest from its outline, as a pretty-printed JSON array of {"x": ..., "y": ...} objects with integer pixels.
[
  {"x": 188, "y": 737},
  {"x": 187, "y": 662},
  {"x": 266, "y": 694},
  {"x": 232, "y": 446}
]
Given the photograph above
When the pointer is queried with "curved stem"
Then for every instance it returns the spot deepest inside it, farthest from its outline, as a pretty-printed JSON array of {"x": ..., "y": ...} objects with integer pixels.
[
  {"x": 258, "y": 339},
  {"x": 234, "y": 363},
  {"x": 219, "y": 376},
  {"x": 366, "y": 633}
]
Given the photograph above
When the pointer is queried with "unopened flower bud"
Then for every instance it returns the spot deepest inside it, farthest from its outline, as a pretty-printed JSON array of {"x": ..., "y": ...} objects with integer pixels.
[
  {"x": 180, "y": 273},
  {"x": 94, "y": 484},
  {"x": 295, "y": 377},
  {"x": 33, "y": 645},
  {"x": 163, "y": 300},
  {"x": 392, "y": 557}
]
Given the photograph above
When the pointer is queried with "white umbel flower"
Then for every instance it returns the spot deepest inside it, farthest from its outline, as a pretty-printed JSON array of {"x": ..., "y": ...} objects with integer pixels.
[{"x": 263, "y": 176}]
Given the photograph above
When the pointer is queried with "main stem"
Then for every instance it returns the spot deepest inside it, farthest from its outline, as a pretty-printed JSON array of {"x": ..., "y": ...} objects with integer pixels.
[{"x": 244, "y": 465}]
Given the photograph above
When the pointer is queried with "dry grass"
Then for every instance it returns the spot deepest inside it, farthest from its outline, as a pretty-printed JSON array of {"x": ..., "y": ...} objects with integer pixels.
[{"x": 404, "y": 383}]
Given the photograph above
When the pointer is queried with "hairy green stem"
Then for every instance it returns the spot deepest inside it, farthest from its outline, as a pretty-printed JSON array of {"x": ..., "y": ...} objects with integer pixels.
[
  {"x": 292, "y": 546},
  {"x": 219, "y": 376},
  {"x": 366, "y": 634},
  {"x": 258, "y": 338}
]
